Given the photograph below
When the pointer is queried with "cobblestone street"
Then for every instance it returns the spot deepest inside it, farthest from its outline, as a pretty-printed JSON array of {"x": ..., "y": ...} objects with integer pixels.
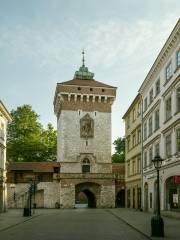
[{"x": 71, "y": 224}]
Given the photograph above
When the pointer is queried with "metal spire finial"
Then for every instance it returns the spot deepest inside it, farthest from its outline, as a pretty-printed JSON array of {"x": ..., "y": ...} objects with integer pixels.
[{"x": 83, "y": 60}]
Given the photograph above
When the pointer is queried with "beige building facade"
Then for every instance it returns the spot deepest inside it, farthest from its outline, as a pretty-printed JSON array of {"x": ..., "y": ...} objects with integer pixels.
[
  {"x": 4, "y": 119},
  {"x": 132, "y": 120}
]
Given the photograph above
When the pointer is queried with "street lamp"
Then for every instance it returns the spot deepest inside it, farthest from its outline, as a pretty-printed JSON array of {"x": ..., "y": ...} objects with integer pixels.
[{"x": 157, "y": 223}]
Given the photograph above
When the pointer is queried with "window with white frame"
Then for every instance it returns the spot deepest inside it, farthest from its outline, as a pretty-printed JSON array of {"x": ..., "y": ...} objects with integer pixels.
[
  {"x": 168, "y": 71},
  {"x": 168, "y": 145},
  {"x": 156, "y": 119},
  {"x": 168, "y": 108},
  {"x": 150, "y": 126},
  {"x": 145, "y": 104},
  {"x": 145, "y": 159},
  {"x": 157, "y": 86},
  {"x": 178, "y": 58},
  {"x": 157, "y": 152},
  {"x": 178, "y": 140},
  {"x": 178, "y": 99},
  {"x": 150, "y": 155},
  {"x": 151, "y": 96},
  {"x": 145, "y": 130}
]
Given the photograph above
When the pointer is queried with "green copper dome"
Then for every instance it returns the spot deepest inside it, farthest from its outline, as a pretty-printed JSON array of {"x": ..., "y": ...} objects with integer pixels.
[{"x": 83, "y": 72}]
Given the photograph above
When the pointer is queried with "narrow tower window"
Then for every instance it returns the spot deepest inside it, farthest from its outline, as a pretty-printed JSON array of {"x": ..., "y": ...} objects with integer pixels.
[{"x": 86, "y": 165}]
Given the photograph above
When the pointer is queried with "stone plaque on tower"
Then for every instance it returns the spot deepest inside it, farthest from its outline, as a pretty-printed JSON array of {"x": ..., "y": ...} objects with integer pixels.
[{"x": 86, "y": 127}]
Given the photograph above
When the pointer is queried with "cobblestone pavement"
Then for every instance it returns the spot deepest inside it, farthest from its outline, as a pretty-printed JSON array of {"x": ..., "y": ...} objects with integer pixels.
[
  {"x": 142, "y": 222},
  {"x": 76, "y": 224}
]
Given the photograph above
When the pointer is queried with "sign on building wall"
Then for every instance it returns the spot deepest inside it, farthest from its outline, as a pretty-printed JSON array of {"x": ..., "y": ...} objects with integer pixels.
[{"x": 176, "y": 179}]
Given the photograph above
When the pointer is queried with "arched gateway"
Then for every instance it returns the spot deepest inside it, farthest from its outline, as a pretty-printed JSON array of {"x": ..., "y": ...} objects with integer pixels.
[
  {"x": 90, "y": 190},
  {"x": 83, "y": 109}
]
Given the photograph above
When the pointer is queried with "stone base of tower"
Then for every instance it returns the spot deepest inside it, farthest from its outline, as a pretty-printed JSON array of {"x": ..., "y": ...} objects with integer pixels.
[{"x": 98, "y": 188}]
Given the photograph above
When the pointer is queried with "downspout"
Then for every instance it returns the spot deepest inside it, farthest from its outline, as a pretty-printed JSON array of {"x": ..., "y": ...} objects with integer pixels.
[{"x": 142, "y": 192}]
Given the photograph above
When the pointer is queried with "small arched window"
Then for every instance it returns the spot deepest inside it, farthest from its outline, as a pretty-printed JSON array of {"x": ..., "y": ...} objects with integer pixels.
[{"x": 86, "y": 165}]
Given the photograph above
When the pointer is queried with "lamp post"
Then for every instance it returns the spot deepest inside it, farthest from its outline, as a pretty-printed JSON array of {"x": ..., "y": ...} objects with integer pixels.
[{"x": 157, "y": 223}]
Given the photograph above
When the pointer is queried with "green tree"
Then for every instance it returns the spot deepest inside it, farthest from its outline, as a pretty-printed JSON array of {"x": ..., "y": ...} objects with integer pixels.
[
  {"x": 49, "y": 138},
  {"x": 27, "y": 140},
  {"x": 119, "y": 155}
]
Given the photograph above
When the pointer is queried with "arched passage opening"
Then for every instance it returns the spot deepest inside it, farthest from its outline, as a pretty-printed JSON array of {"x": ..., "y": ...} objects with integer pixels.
[
  {"x": 120, "y": 198},
  {"x": 87, "y": 193}
]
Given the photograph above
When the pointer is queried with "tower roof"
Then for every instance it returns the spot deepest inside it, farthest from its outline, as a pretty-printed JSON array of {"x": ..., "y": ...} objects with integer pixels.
[
  {"x": 86, "y": 83},
  {"x": 83, "y": 72}
]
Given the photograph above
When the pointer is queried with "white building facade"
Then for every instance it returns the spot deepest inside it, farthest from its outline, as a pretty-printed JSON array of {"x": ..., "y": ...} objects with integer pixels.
[
  {"x": 160, "y": 95},
  {"x": 4, "y": 118}
]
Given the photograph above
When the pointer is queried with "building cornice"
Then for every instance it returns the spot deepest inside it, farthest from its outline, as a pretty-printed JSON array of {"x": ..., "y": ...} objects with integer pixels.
[
  {"x": 162, "y": 56},
  {"x": 136, "y": 99},
  {"x": 4, "y": 111}
]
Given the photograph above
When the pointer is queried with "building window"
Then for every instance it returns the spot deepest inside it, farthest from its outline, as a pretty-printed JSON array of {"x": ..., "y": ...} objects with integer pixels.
[
  {"x": 168, "y": 108},
  {"x": 178, "y": 140},
  {"x": 178, "y": 58},
  {"x": 128, "y": 169},
  {"x": 157, "y": 87},
  {"x": 133, "y": 168},
  {"x": 139, "y": 164},
  {"x": 178, "y": 99},
  {"x": 151, "y": 96},
  {"x": 168, "y": 145},
  {"x": 139, "y": 109},
  {"x": 139, "y": 135},
  {"x": 134, "y": 114},
  {"x": 150, "y": 156},
  {"x": 128, "y": 144},
  {"x": 168, "y": 71},
  {"x": 150, "y": 126},
  {"x": 145, "y": 130},
  {"x": 156, "y": 119},
  {"x": 145, "y": 104},
  {"x": 157, "y": 149},
  {"x": 145, "y": 159},
  {"x": 86, "y": 166},
  {"x": 134, "y": 140},
  {"x": 128, "y": 122},
  {"x": 150, "y": 196}
]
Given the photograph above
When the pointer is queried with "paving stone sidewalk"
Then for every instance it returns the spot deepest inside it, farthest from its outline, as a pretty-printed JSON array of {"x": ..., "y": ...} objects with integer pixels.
[
  {"x": 11, "y": 218},
  {"x": 142, "y": 222}
]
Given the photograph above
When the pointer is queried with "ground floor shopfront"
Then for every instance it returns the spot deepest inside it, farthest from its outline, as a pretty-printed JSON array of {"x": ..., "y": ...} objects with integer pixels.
[
  {"x": 133, "y": 194},
  {"x": 169, "y": 188}
]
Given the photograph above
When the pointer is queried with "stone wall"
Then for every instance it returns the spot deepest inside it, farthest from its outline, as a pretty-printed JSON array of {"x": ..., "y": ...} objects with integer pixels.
[
  {"x": 71, "y": 145},
  {"x": 47, "y": 195}
]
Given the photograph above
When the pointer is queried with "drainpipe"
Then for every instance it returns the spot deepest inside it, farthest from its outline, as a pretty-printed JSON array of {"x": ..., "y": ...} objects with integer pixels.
[{"x": 142, "y": 192}]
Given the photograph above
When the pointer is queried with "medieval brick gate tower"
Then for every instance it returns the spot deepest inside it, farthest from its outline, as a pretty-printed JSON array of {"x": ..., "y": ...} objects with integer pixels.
[{"x": 83, "y": 110}]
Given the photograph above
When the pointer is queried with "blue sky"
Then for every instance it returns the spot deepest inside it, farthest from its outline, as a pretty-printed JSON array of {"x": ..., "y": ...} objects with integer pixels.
[{"x": 41, "y": 43}]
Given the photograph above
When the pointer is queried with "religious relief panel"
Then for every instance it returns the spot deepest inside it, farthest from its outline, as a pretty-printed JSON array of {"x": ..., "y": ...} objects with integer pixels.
[{"x": 86, "y": 127}]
